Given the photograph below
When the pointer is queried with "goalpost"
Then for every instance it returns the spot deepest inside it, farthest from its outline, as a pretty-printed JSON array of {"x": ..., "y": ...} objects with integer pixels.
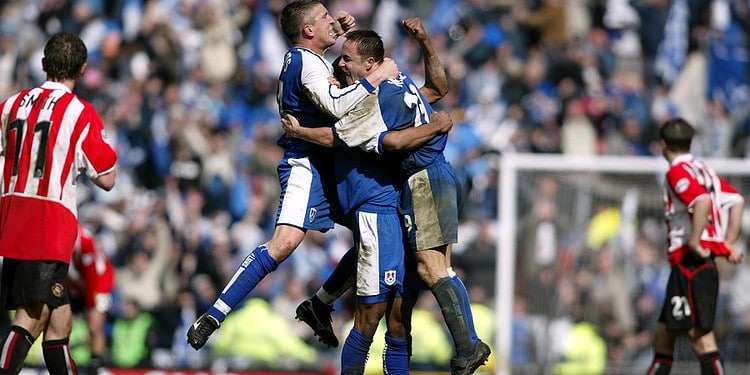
[{"x": 578, "y": 188}]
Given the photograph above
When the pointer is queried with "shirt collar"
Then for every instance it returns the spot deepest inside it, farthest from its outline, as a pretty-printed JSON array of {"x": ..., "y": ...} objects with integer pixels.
[
  {"x": 55, "y": 86},
  {"x": 682, "y": 159}
]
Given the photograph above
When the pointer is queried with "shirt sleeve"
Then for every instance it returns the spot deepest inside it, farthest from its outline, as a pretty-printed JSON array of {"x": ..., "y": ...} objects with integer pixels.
[
  {"x": 361, "y": 126},
  {"x": 336, "y": 101},
  {"x": 729, "y": 195},
  {"x": 684, "y": 185},
  {"x": 97, "y": 155}
]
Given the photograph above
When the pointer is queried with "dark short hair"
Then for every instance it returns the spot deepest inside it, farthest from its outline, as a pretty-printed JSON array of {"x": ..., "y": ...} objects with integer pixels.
[
  {"x": 293, "y": 17},
  {"x": 339, "y": 73},
  {"x": 677, "y": 134},
  {"x": 369, "y": 44},
  {"x": 64, "y": 56}
]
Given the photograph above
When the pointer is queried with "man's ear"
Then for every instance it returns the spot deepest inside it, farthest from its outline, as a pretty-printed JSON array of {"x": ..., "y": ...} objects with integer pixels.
[
  {"x": 307, "y": 31},
  {"x": 83, "y": 69}
]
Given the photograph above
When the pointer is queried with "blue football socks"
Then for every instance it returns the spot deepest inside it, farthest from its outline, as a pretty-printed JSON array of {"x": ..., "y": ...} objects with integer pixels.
[
  {"x": 396, "y": 356},
  {"x": 253, "y": 269},
  {"x": 463, "y": 294},
  {"x": 354, "y": 354}
]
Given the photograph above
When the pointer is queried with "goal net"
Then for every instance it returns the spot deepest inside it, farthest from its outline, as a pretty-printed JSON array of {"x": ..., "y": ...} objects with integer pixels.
[{"x": 582, "y": 269}]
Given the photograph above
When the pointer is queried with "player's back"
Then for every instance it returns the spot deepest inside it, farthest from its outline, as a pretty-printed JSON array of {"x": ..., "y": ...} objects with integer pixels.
[
  {"x": 403, "y": 106},
  {"x": 687, "y": 180},
  {"x": 292, "y": 96},
  {"x": 48, "y": 135}
]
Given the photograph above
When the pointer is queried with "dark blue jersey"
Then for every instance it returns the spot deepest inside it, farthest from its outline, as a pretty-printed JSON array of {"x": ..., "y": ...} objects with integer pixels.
[
  {"x": 364, "y": 182},
  {"x": 305, "y": 92},
  {"x": 403, "y": 106},
  {"x": 367, "y": 178}
]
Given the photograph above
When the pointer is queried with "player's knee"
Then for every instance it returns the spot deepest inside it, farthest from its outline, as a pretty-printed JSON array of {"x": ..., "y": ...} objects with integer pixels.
[
  {"x": 702, "y": 340},
  {"x": 281, "y": 247},
  {"x": 32, "y": 318},
  {"x": 428, "y": 272},
  {"x": 396, "y": 329},
  {"x": 367, "y": 319}
]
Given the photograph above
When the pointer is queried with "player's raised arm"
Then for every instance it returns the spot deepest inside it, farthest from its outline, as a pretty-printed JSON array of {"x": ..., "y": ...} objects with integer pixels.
[
  {"x": 436, "y": 81},
  {"x": 339, "y": 101}
]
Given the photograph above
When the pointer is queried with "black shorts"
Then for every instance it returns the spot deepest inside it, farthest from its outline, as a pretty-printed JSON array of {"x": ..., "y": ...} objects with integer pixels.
[
  {"x": 692, "y": 293},
  {"x": 26, "y": 282}
]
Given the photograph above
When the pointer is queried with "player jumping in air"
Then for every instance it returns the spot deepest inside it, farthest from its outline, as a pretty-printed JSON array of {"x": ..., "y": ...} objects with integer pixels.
[
  {"x": 304, "y": 171},
  {"x": 703, "y": 214},
  {"x": 429, "y": 196},
  {"x": 48, "y": 135}
]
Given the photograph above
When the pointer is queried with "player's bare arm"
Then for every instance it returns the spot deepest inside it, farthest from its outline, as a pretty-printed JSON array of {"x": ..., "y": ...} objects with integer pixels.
[
  {"x": 395, "y": 141},
  {"x": 733, "y": 232},
  {"x": 701, "y": 210},
  {"x": 105, "y": 181},
  {"x": 436, "y": 81},
  {"x": 414, "y": 137},
  {"x": 322, "y": 136}
]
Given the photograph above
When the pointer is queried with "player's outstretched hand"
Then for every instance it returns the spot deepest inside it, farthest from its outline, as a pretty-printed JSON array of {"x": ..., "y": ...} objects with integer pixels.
[
  {"x": 442, "y": 120},
  {"x": 415, "y": 28},
  {"x": 735, "y": 256},
  {"x": 347, "y": 21},
  {"x": 290, "y": 124}
]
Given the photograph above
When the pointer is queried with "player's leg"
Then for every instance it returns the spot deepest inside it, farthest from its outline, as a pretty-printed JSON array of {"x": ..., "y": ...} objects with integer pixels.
[
  {"x": 316, "y": 310},
  {"x": 453, "y": 300},
  {"x": 30, "y": 288},
  {"x": 380, "y": 275},
  {"x": 250, "y": 272},
  {"x": 396, "y": 355},
  {"x": 26, "y": 327},
  {"x": 55, "y": 347},
  {"x": 95, "y": 320},
  {"x": 664, "y": 342},
  {"x": 705, "y": 293},
  {"x": 464, "y": 294},
  {"x": 303, "y": 205},
  {"x": 705, "y": 347},
  {"x": 430, "y": 200},
  {"x": 357, "y": 343},
  {"x": 263, "y": 260}
]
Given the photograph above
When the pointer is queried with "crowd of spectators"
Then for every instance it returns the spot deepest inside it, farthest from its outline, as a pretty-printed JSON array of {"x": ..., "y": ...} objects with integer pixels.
[{"x": 187, "y": 90}]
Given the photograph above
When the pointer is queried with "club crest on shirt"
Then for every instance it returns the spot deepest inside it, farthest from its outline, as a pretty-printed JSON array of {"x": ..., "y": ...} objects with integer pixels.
[
  {"x": 682, "y": 185},
  {"x": 313, "y": 212},
  {"x": 390, "y": 277}
]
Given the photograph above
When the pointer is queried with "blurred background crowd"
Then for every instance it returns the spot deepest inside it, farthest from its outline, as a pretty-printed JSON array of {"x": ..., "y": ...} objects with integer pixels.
[{"x": 187, "y": 90}]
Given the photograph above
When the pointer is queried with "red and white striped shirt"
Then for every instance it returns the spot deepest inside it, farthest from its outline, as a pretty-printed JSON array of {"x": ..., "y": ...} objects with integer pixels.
[
  {"x": 687, "y": 181},
  {"x": 48, "y": 136}
]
